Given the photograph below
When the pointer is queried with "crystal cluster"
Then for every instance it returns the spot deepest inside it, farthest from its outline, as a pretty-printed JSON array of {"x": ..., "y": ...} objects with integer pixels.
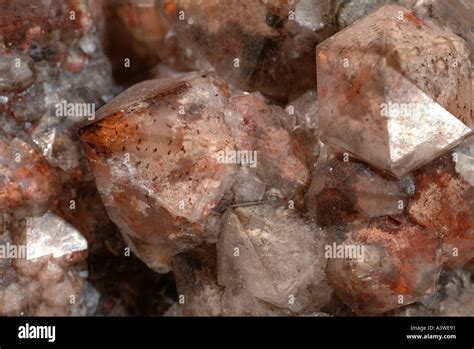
[
  {"x": 236, "y": 158},
  {"x": 164, "y": 156}
]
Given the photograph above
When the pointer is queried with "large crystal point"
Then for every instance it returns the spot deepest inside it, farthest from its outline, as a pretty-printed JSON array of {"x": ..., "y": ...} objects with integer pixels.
[
  {"x": 154, "y": 159},
  {"x": 165, "y": 152},
  {"x": 394, "y": 90}
]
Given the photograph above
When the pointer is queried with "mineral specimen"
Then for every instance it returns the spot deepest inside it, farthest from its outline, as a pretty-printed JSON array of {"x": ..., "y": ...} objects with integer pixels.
[
  {"x": 28, "y": 185},
  {"x": 386, "y": 263},
  {"x": 43, "y": 273},
  {"x": 396, "y": 96},
  {"x": 165, "y": 152}
]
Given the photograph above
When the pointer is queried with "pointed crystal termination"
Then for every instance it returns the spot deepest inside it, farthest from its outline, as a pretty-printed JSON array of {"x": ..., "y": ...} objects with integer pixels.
[
  {"x": 256, "y": 45},
  {"x": 383, "y": 264},
  {"x": 154, "y": 160},
  {"x": 343, "y": 192},
  {"x": 394, "y": 91},
  {"x": 62, "y": 238},
  {"x": 444, "y": 202},
  {"x": 275, "y": 256}
]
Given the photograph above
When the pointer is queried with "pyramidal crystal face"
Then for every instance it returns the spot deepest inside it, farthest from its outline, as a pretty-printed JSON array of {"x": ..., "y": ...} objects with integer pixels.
[{"x": 394, "y": 90}]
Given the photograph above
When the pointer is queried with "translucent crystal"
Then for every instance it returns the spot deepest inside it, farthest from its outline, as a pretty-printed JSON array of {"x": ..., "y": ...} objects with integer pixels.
[
  {"x": 248, "y": 186},
  {"x": 465, "y": 160},
  {"x": 44, "y": 285},
  {"x": 28, "y": 185},
  {"x": 51, "y": 235},
  {"x": 385, "y": 264},
  {"x": 154, "y": 159},
  {"x": 394, "y": 90},
  {"x": 275, "y": 256}
]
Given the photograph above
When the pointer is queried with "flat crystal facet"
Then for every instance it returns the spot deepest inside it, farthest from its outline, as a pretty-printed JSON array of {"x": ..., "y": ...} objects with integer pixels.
[
  {"x": 274, "y": 255},
  {"x": 393, "y": 263},
  {"x": 51, "y": 235},
  {"x": 393, "y": 90}
]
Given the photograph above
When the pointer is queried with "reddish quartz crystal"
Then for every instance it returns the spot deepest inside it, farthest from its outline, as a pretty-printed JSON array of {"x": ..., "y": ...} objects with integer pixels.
[
  {"x": 165, "y": 152},
  {"x": 444, "y": 202},
  {"x": 393, "y": 263}
]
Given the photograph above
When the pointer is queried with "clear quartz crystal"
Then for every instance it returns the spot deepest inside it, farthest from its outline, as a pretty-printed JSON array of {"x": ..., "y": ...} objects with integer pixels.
[{"x": 51, "y": 235}]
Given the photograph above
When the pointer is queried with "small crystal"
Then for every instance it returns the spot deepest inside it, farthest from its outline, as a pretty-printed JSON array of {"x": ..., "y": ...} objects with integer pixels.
[
  {"x": 51, "y": 235},
  {"x": 385, "y": 264}
]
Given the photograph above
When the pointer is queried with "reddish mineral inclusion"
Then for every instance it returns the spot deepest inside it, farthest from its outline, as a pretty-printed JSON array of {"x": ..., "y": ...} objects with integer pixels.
[
  {"x": 28, "y": 185},
  {"x": 444, "y": 202},
  {"x": 394, "y": 91},
  {"x": 400, "y": 265}
]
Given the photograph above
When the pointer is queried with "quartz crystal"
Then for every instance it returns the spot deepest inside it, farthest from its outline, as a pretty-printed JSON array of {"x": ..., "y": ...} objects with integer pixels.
[
  {"x": 301, "y": 120},
  {"x": 258, "y": 45},
  {"x": 275, "y": 255},
  {"x": 386, "y": 263},
  {"x": 62, "y": 239},
  {"x": 394, "y": 90},
  {"x": 342, "y": 192},
  {"x": 444, "y": 202}
]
